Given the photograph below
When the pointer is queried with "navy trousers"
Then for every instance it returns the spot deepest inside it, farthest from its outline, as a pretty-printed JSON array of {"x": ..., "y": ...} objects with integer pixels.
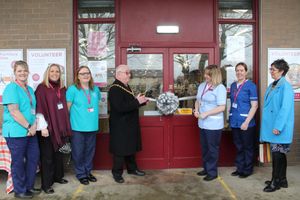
[
  {"x": 83, "y": 151},
  {"x": 25, "y": 157},
  {"x": 210, "y": 143},
  {"x": 244, "y": 143}
]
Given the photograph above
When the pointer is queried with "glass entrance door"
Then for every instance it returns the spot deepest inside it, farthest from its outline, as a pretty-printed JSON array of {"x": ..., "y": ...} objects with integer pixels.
[{"x": 168, "y": 141}]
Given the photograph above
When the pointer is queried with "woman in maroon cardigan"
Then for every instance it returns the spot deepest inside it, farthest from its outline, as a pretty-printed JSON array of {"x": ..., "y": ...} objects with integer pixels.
[{"x": 54, "y": 126}]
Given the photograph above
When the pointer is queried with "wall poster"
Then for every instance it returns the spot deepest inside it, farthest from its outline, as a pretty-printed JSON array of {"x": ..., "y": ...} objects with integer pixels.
[
  {"x": 8, "y": 57},
  {"x": 292, "y": 57},
  {"x": 38, "y": 61}
]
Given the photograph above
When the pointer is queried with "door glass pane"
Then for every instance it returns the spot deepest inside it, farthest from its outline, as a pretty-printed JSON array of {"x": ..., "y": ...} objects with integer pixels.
[
  {"x": 147, "y": 77},
  {"x": 96, "y": 9},
  {"x": 235, "y": 9},
  {"x": 188, "y": 73},
  {"x": 236, "y": 45}
]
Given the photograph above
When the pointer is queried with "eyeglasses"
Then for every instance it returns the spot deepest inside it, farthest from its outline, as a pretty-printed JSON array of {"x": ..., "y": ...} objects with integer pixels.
[
  {"x": 127, "y": 73},
  {"x": 273, "y": 69},
  {"x": 85, "y": 74}
]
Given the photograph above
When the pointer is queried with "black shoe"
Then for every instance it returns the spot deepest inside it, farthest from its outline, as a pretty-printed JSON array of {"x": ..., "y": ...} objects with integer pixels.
[
  {"x": 284, "y": 183},
  {"x": 235, "y": 173},
  {"x": 49, "y": 190},
  {"x": 209, "y": 178},
  {"x": 202, "y": 173},
  {"x": 34, "y": 191},
  {"x": 92, "y": 178},
  {"x": 84, "y": 181},
  {"x": 243, "y": 175},
  {"x": 119, "y": 179},
  {"x": 137, "y": 172},
  {"x": 271, "y": 188},
  {"x": 25, "y": 195},
  {"x": 62, "y": 181},
  {"x": 268, "y": 182}
]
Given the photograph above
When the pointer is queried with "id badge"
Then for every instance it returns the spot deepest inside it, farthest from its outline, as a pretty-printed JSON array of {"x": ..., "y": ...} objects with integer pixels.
[
  {"x": 32, "y": 111},
  {"x": 60, "y": 106},
  {"x": 90, "y": 109},
  {"x": 234, "y": 105}
]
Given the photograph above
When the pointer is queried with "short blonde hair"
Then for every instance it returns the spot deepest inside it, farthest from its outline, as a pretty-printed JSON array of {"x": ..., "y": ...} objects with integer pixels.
[
  {"x": 22, "y": 64},
  {"x": 215, "y": 73},
  {"x": 47, "y": 72}
]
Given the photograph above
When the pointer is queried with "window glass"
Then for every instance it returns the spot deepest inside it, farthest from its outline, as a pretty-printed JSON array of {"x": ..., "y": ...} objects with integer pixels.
[
  {"x": 188, "y": 73},
  {"x": 96, "y": 47},
  {"x": 146, "y": 77},
  {"x": 96, "y": 9},
  {"x": 235, "y": 9},
  {"x": 236, "y": 45}
]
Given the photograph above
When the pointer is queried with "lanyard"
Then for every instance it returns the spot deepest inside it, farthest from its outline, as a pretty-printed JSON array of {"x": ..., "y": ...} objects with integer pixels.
[
  {"x": 238, "y": 90},
  {"x": 205, "y": 90},
  {"x": 88, "y": 96},
  {"x": 26, "y": 90},
  {"x": 57, "y": 92}
]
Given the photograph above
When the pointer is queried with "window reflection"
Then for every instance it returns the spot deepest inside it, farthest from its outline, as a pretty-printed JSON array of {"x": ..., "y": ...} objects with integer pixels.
[
  {"x": 147, "y": 77},
  {"x": 240, "y": 9},
  {"x": 96, "y": 9},
  {"x": 236, "y": 45},
  {"x": 96, "y": 48},
  {"x": 188, "y": 73}
]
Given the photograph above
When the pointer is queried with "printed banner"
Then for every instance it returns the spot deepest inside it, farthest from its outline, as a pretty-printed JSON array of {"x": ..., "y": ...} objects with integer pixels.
[
  {"x": 292, "y": 56},
  {"x": 38, "y": 61},
  {"x": 99, "y": 72},
  {"x": 97, "y": 44},
  {"x": 8, "y": 57}
]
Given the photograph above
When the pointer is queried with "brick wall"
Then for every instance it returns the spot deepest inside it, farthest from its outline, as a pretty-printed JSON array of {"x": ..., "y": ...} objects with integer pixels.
[
  {"x": 280, "y": 28},
  {"x": 37, "y": 24}
]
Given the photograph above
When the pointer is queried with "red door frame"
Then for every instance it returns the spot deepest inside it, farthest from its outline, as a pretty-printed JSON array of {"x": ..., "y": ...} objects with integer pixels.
[
  {"x": 180, "y": 134},
  {"x": 184, "y": 142}
]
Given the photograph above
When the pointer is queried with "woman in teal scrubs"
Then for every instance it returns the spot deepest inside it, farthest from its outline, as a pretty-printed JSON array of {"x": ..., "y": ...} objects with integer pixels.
[
  {"x": 83, "y": 102},
  {"x": 19, "y": 130}
]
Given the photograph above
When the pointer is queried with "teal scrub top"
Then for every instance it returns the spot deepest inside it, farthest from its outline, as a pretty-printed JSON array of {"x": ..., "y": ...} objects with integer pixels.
[
  {"x": 84, "y": 117},
  {"x": 14, "y": 94}
]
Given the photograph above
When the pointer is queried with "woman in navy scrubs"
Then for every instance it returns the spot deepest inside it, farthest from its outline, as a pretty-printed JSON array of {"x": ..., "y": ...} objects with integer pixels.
[{"x": 243, "y": 97}]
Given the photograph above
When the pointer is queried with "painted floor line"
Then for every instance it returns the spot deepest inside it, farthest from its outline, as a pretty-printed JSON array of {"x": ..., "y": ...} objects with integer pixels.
[
  {"x": 231, "y": 193},
  {"x": 77, "y": 192}
]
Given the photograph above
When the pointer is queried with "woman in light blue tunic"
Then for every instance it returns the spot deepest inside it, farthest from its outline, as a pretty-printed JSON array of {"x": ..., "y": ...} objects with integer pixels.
[
  {"x": 209, "y": 108},
  {"x": 277, "y": 124}
]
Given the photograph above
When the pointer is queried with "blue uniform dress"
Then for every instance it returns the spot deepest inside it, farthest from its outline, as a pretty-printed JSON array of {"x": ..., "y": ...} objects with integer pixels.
[
  {"x": 211, "y": 127},
  {"x": 21, "y": 146},
  {"x": 241, "y": 97},
  {"x": 84, "y": 118}
]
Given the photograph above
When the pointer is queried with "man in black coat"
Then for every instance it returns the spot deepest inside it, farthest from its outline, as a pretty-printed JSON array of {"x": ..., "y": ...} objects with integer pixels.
[{"x": 125, "y": 136}]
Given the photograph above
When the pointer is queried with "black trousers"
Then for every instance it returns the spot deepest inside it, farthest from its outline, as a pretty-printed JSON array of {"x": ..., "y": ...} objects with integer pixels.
[
  {"x": 118, "y": 163},
  {"x": 52, "y": 168}
]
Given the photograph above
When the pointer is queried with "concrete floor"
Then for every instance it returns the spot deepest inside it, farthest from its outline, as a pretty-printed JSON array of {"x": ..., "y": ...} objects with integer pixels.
[{"x": 170, "y": 184}]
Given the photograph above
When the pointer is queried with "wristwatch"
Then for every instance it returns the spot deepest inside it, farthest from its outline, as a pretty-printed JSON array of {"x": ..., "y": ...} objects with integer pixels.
[{"x": 28, "y": 127}]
